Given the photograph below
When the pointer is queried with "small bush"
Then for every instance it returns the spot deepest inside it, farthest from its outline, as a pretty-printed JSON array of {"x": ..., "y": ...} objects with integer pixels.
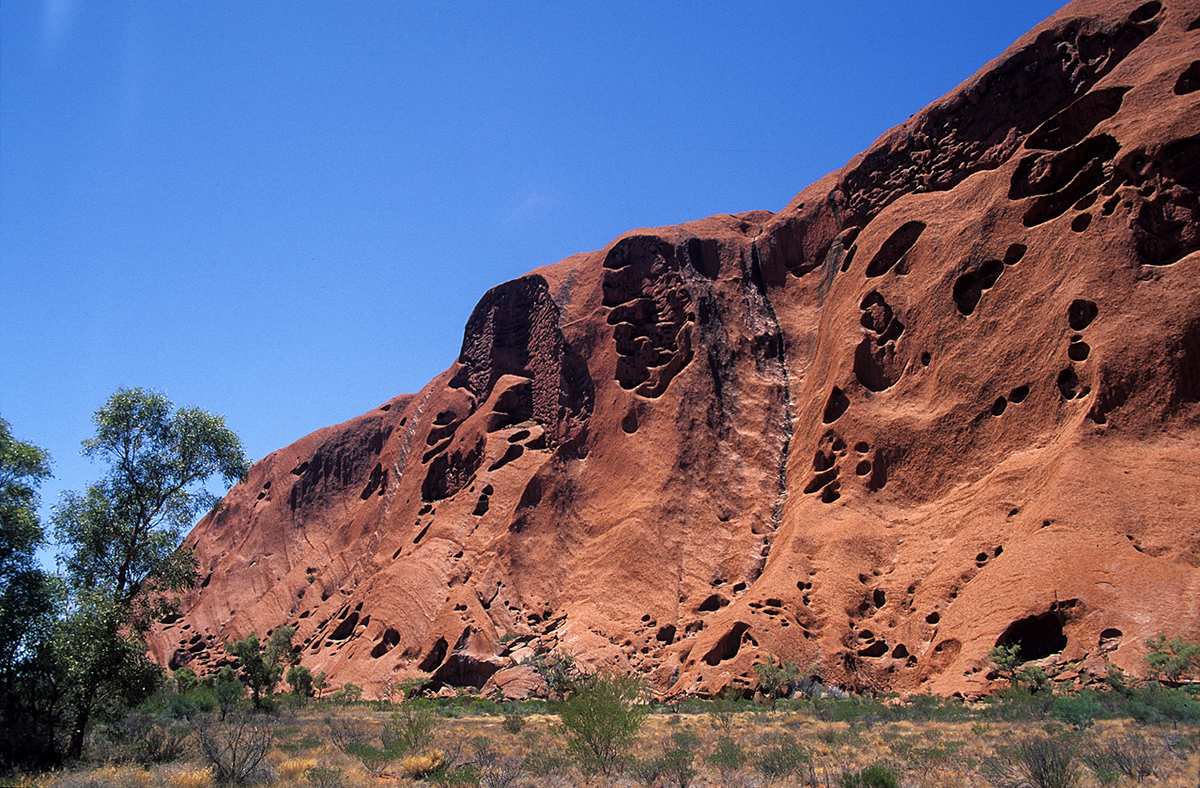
[
  {"x": 602, "y": 719},
  {"x": 782, "y": 759},
  {"x": 324, "y": 777},
  {"x": 1079, "y": 711},
  {"x": 236, "y": 747},
  {"x": 1132, "y": 755},
  {"x": 727, "y": 757},
  {"x": 1036, "y": 763},
  {"x": 875, "y": 776}
]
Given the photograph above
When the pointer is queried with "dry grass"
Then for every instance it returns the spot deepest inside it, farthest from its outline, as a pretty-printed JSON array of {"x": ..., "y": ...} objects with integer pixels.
[{"x": 921, "y": 754}]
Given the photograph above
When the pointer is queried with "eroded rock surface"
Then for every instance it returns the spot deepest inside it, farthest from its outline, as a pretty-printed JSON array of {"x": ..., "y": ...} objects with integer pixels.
[{"x": 948, "y": 398}]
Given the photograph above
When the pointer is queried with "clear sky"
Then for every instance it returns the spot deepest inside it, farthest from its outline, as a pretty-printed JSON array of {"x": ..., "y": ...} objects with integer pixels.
[{"x": 283, "y": 212}]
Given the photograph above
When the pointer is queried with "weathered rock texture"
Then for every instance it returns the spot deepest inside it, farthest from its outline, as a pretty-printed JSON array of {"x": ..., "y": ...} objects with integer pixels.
[{"x": 947, "y": 398}]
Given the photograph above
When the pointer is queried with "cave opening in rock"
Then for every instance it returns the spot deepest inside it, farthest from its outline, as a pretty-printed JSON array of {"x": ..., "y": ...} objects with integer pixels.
[{"x": 1038, "y": 636}]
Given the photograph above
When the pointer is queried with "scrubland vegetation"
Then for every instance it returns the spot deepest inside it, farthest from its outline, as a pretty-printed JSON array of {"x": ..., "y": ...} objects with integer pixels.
[{"x": 605, "y": 733}]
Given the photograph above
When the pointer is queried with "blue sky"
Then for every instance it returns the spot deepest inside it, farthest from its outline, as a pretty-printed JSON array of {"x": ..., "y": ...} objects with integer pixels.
[{"x": 284, "y": 212}]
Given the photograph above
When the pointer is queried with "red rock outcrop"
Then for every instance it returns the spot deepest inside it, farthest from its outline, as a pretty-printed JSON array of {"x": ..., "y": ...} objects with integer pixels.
[{"x": 948, "y": 398}]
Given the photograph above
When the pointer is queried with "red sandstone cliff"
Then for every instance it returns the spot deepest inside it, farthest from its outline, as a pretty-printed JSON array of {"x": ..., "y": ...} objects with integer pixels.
[{"x": 948, "y": 397}]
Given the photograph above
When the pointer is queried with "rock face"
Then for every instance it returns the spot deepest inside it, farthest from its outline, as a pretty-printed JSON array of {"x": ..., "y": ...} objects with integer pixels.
[{"x": 948, "y": 398}]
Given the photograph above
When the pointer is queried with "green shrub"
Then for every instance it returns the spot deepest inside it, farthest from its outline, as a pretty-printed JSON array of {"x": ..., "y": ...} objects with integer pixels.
[
  {"x": 1079, "y": 711},
  {"x": 783, "y": 758},
  {"x": 727, "y": 757},
  {"x": 602, "y": 719},
  {"x": 874, "y": 776}
]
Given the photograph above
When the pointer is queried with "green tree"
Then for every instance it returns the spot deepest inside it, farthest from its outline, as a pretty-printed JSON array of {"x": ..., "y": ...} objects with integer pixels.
[
  {"x": 29, "y": 604},
  {"x": 123, "y": 562},
  {"x": 228, "y": 689},
  {"x": 1170, "y": 661},
  {"x": 301, "y": 680},
  {"x": 775, "y": 679},
  {"x": 602, "y": 719},
  {"x": 262, "y": 667}
]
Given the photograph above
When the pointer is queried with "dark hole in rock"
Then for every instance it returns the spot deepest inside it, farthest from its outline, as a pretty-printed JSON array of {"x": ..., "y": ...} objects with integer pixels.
[
  {"x": 714, "y": 602},
  {"x": 1018, "y": 394},
  {"x": 645, "y": 618},
  {"x": 1085, "y": 202},
  {"x": 830, "y": 493},
  {"x": 1145, "y": 12},
  {"x": 894, "y": 248},
  {"x": 390, "y": 639},
  {"x": 862, "y": 447},
  {"x": 727, "y": 647},
  {"x": 981, "y": 557},
  {"x": 630, "y": 423},
  {"x": 1081, "y": 313},
  {"x": 999, "y": 406},
  {"x": 835, "y": 406},
  {"x": 1068, "y": 383},
  {"x": 434, "y": 657},
  {"x": 875, "y": 650},
  {"x": 666, "y": 634},
  {"x": 866, "y": 634},
  {"x": 900, "y": 651},
  {"x": 822, "y": 461},
  {"x": 346, "y": 628},
  {"x": 1111, "y": 634},
  {"x": 518, "y": 436},
  {"x": 514, "y": 451},
  {"x": 1194, "y": 24},
  {"x": 864, "y": 467},
  {"x": 933, "y": 617},
  {"x": 445, "y": 417},
  {"x": 925, "y": 359},
  {"x": 739, "y": 588},
  {"x": 1189, "y": 80},
  {"x": 820, "y": 480},
  {"x": 999, "y": 549},
  {"x": 1014, "y": 254},
  {"x": 879, "y": 597},
  {"x": 989, "y": 272},
  {"x": 1079, "y": 351},
  {"x": 967, "y": 292},
  {"x": 1038, "y": 636},
  {"x": 421, "y": 535},
  {"x": 300, "y": 469},
  {"x": 1081, "y": 222}
]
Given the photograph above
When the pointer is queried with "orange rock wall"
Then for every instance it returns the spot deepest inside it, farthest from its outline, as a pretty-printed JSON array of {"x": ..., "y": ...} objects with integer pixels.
[{"x": 949, "y": 397}]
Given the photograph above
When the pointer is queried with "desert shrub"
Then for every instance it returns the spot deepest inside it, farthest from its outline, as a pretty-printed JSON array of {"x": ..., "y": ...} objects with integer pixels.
[
  {"x": 236, "y": 747},
  {"x": 1172, "y": 660},
  {"x": 1037, "y": 762},
  {"x": 722, "y": 712},
  {"x": 344, "y": 732},
  {"x": 1131, "y": 754},
  {"x": 324, "y": 777},
  {"x": 492, "y": 770},
  {"x": 679, "y": 755},
  {"x": 409, "y": 731},
  {"x": 775, "y": 679},
  {"x": 558, "y": 669},
  {"x": 874, "y": 776},
  {"x": 146, "y": 741},
  {"x": 601, "y": 720},
  {"x": 1079, "y": 711},
  {"x": 781, "y": 759},
  {"x": 513, "y": 722},
  {"x": 727, "y": 757},
  {"x": 349, "y": 693}
]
